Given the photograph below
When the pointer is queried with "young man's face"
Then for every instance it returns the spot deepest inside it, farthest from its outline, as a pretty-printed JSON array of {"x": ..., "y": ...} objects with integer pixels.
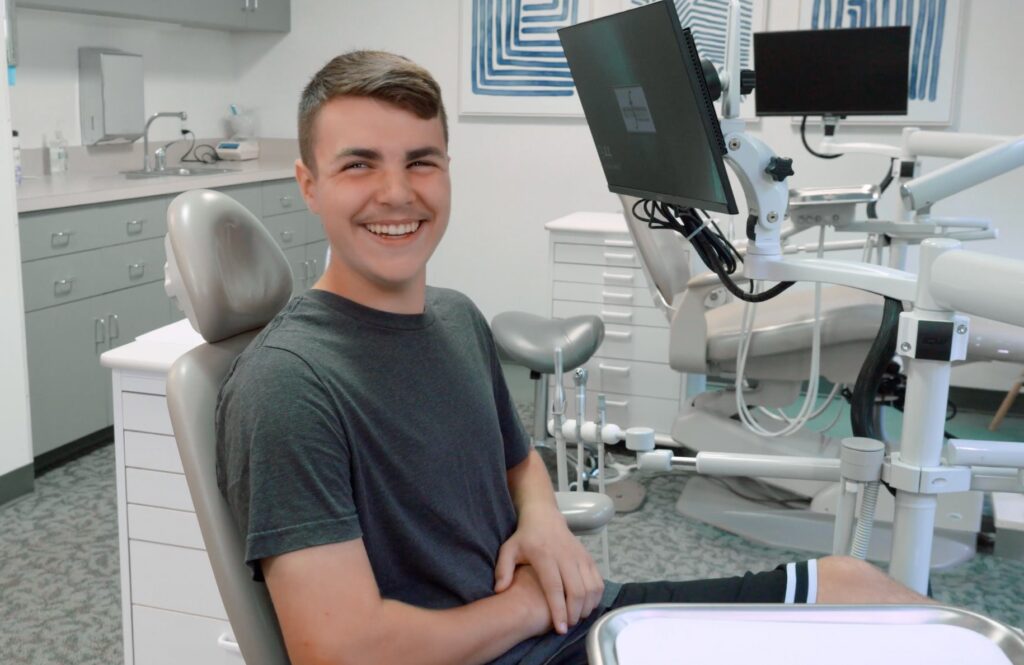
[{"x": 383, "y": 193}]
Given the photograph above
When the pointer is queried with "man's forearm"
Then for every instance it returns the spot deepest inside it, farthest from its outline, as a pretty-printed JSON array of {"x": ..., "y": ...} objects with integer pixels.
[{"x": 530, "y": 485}]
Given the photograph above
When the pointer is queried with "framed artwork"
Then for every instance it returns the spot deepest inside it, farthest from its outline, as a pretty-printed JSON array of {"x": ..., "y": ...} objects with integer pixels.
[
  {"x": 934, "y": 41},
  {"x": 511, "y": 61}
]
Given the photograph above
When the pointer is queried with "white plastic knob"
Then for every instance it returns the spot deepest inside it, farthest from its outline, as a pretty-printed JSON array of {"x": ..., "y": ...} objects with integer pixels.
[
  {"x": 569, "y": 430},
  {"x": 590, "y": 431},
  {"x": 612, "y": 433},
  {"x": 640, "y": 439},
  {"x": 658, "y": 460}
]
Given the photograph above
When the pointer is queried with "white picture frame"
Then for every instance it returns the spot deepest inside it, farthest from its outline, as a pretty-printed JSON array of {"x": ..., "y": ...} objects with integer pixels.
[{"x": 933, "y": 62}]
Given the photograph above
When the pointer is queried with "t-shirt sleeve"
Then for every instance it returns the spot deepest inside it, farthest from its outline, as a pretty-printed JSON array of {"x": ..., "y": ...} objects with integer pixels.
[{"x": 283, "y": 457}]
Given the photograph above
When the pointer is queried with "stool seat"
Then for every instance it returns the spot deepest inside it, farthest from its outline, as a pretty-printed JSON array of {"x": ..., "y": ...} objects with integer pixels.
[
  {"x": 530, "y": 340},
  {"x": 585, "y": 512}
]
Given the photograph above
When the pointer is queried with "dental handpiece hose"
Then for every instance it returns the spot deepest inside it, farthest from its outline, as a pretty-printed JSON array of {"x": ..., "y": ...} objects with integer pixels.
[
  {"x": 557, "y": 414},
  {"x": 580, "y": 381}
]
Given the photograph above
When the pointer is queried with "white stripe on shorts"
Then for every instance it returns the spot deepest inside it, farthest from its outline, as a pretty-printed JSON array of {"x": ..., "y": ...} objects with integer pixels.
[{"x": 790, "y": 583}]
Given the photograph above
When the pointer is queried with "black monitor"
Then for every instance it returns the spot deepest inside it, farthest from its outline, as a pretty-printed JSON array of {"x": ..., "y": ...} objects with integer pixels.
[
  {"x": 856, "y": 71},
  {"x": 643, "y": 92}
]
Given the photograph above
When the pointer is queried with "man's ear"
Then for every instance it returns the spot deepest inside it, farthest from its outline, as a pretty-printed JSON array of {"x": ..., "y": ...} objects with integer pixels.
[{"x": 307, "y": 185}]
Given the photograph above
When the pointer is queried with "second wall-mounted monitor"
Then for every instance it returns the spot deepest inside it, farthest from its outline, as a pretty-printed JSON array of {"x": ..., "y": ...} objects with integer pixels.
[{"x": 857, "y": 71}]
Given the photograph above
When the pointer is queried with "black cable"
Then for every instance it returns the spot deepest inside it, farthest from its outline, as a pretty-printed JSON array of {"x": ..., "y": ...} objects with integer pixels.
[
  {"x": 803, "y": 137},
  {"x": 882, "y": 186},
  {"x": 208, "y": 157},
  {"x": 862, "y": 404},
  {"x": 713, "y": 248}
]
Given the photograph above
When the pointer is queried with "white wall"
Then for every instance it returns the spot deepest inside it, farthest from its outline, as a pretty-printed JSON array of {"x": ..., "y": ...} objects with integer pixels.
[
  {"x": 15, "y": 437},
  {"x": 186, "y": 69}
]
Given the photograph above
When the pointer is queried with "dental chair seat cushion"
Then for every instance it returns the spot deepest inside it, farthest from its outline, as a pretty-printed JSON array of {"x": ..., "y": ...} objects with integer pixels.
[
  {"x": 785, "y": 324},
  {"x": 585, "y": 512},
  {"x": 530, "y": 340}
]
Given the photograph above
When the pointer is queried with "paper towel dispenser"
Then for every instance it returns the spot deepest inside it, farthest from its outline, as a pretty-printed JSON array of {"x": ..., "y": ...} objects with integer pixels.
[{"x": 110, "y": 92}]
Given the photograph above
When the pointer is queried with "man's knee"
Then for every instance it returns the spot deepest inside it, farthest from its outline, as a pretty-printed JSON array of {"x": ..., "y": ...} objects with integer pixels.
[{"x": 844, "y": 579}]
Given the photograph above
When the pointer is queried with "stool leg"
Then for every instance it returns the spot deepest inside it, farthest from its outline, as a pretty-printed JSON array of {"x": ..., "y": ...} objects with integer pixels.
[
  {"x": 540, "y": 409},
  {"x": 1004, "y": 408}
]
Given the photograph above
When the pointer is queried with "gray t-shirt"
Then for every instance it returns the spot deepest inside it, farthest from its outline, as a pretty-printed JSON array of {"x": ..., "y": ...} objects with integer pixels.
[{"x": 340, "y": 422}]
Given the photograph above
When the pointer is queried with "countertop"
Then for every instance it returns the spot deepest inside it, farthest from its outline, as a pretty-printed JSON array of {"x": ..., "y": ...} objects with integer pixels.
[
  {"x": 154, "y": 351},
  {"x": 86, "y": 186}
]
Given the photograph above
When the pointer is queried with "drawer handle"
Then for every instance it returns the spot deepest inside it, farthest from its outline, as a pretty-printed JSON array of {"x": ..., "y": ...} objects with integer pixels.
[
  {"x": 617, "y": 277},
  {"x": 286, "y": 236},
  {"x": 99, "y": 333},
  {"x": 60, "y": 239},
  {"x": 620, "y": 256},
  {"x": 136, "y": 270},
  {"x": 618, "y": 243},
  {"x": 611, "y": 402},
  {"x": 228, "y": 644},
  {"x": 62, "y": 287},
  {"x": 621, "y": 316},
  {"x": 286, "y": 201},
  {"x": 616, "y": 334},
  {"x": 612, "y": 295},
  {"x": 134, "y": 227},
  {"x": 613, "y": 368},
  {"x": 113, "y": 326}
]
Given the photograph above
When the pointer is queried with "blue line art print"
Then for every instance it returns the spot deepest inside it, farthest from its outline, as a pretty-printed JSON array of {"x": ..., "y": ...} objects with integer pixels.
[
  {"x": 707, "y": 20},
  {"x": 515, "y": 51},
  {"x": 927, "y": 21}
]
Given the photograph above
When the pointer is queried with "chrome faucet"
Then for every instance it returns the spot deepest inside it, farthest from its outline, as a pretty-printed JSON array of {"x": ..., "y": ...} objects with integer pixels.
[{"x": 145, "y": 137}]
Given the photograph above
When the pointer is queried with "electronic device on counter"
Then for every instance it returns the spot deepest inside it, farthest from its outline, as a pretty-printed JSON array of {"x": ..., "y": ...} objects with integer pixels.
[{"x": 238, "y": 149}]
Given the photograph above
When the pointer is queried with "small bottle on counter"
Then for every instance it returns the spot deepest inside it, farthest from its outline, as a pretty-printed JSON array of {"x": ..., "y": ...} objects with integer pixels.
[
  {"x": 55, "y": 159},
  {"x": 16, "y": 142}
]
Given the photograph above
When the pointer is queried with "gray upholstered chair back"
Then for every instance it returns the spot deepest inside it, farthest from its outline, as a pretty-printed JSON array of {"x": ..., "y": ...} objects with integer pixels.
[
  {"x": 230, "y": 278},
  {"x": 665, "y": 257}
]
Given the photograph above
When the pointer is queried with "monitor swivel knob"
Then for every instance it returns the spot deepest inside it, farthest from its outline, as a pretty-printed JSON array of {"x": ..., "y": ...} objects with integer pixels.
[
  {"x": 712, "y": 79},
  {"x": 779, "y": 168},
  {"x": 748, "y": 79}
]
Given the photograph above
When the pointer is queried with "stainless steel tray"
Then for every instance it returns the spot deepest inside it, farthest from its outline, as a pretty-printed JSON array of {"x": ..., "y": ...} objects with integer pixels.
[
  {"x": 601, "y": 641},
  {"x": 810, "y": 196}
]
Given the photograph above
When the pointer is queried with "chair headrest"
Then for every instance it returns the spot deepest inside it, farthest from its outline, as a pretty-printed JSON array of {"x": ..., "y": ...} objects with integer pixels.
[{"x": 224, "y": 270}]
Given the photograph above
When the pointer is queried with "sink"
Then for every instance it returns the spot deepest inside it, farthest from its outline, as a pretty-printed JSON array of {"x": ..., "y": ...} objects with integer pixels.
[{"x": 177, "y": 171}]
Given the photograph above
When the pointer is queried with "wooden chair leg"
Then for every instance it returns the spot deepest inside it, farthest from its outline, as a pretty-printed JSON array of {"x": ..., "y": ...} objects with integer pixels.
[{"x": 1004, "y": 408}]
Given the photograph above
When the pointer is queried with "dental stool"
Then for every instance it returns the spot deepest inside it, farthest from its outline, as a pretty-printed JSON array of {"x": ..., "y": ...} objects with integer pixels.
[
  {"x": 230, "y": 279},
  {"x": 530, "y": 341}
]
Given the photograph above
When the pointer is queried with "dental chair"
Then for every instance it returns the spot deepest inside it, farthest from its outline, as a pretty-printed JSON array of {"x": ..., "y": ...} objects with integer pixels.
[
  {"x": 705, "y": 341},
  {"x": 230, "y": 279}
]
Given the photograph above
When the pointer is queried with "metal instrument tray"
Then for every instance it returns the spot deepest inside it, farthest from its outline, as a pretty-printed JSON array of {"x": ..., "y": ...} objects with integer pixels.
[
  {"x": 906, "y": 628},
  {"x": 811, "y": 196}
]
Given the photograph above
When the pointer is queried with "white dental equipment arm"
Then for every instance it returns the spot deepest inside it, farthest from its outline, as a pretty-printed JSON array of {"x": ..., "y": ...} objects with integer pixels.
[{"x": 979, "y": 167}]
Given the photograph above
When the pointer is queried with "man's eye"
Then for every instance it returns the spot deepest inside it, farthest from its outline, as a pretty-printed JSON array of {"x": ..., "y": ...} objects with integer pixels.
[
  {"x": 422, "y": 163},
  {"x": 354, "y": 165}
]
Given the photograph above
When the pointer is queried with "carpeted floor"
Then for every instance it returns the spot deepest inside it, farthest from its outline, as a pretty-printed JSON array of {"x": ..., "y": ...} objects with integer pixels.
[{"x": 59, "y": 580}]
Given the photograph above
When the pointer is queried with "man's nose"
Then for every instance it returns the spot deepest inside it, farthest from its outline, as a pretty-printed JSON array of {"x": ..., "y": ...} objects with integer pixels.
[{"x": 395, "y": 188}]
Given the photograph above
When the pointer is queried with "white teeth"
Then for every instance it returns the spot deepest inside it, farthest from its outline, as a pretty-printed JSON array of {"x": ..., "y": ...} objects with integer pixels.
[{"x": 393, "y": 229}]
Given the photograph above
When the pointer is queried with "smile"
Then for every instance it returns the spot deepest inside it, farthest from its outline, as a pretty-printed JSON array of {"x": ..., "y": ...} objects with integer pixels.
[{"x": 394, "y": 230}]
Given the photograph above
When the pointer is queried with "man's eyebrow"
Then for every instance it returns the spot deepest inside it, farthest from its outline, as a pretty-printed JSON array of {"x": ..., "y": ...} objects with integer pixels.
[
  {"x": 362, "y": 153},
  {"x": 419, "y": 153}
]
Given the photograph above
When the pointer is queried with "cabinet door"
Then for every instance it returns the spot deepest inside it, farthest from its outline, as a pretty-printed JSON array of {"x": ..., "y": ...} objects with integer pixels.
[
  {"x": 269, "y": 15},
  {"x": 315, "y": 257},
  {"x": 300, "y": 269},
  {"x": 68, "y": 389},
  {"x": 132, "y": 312}
]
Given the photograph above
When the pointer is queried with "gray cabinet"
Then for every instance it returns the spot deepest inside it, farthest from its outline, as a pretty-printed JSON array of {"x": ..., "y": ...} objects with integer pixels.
[{"x": 238, "y": 15}]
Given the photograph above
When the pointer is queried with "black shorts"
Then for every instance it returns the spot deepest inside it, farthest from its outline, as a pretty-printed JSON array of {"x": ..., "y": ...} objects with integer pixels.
[{"x": 789, "y": 583}]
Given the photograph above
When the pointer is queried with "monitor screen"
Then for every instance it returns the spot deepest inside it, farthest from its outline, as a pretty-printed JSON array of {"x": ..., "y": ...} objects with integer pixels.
[
  {"x": 857, "y": 71},
  {"x": 640, "y": 82}
]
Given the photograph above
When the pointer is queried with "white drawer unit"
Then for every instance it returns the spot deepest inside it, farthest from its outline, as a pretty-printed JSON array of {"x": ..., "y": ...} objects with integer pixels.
[
  {"x": 596, "y": 269},
  {"x": 151, "y": 451},
  {"x": 172, "y": 638},
  {"x": 157, "y": 489},
  {"x": 174, "y": 578},
  {"x": 160, "y": 525}
]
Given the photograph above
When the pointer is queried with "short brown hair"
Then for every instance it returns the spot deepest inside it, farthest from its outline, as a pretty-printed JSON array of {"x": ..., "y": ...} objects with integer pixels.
[{"x": 379, "y": 75}]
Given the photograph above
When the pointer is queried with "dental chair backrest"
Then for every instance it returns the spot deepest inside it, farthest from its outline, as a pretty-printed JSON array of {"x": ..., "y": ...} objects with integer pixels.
[
  {"x": 665, "y": 257},
  {"x": 230, "y": 278}
]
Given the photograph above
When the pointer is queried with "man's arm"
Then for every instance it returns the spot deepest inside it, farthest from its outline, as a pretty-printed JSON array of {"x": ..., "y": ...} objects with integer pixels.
[
  {"x": 331, "y": 612},
  {"x": 570, "y": 578}
]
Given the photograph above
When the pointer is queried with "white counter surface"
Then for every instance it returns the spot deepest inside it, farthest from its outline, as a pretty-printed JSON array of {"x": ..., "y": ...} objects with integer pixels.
[
  {"x": 85, "y": 187},
  {"x": 154, "y": 351},
  {"x": 589, "y": 222}
]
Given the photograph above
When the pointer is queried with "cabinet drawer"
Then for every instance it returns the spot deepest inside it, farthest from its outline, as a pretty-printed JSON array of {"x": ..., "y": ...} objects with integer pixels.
[
  {"x": 289, "y": 229},
  {"x": 599, "y": 293},
  {"x": 159, "y": 525},
  {"x": 61, "y": 279},
  {"x": 281, "y": 196},
  {"x": 146, "y": 413},
  {"x": 630, "y": 410},
  {"x": 635, "y": 343},
  {"x": 314, "y": 228},
  {"x": 158, "y": 489},
  {"x": 251, "y": 196},
  {"x": 635, "y": 316},
  {"x": 53, "y": 232},
  {"x": 597, "y": 255},
  {"x": 174, "y": 578},
  {"x": 132, "y": 264},
  {"x": 156, "y": 452},
  {"x": 608, "y": 275},
  {"x": 160, "y": 637},
  {"x": 632, "y": 377}
]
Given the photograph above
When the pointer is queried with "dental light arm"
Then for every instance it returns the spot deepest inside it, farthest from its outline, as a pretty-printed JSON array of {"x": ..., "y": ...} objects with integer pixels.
[
  {"x": 980, "y": 285},
  {"x": 994, "y": 161}
]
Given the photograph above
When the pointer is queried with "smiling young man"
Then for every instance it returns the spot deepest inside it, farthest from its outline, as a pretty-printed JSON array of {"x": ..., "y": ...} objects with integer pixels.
[{"x": 367, "y": 443}]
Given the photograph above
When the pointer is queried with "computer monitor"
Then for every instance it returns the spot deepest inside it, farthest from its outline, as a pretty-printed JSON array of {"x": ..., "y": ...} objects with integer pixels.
[
  {"x": 855, "y": 71},
  {"x": 643, "y": 92}
]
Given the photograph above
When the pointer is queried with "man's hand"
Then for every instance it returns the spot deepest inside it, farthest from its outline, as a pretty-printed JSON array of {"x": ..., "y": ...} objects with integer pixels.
[{"x": 567, "y": 573}]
